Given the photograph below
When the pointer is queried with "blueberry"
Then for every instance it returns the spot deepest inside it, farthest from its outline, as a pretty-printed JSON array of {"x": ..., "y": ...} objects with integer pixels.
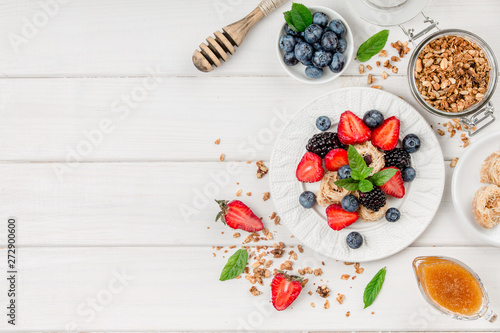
[
  {"x": 289, "y": 31},
  {"x": 373, "y": 118},
  {"x": 317, "y": 46},
  {"x": 344, "y": 172},
  {"x": 350, "y": 203},
  {"x": 320, "y": 19},
  {"x": 290, "y": 59},
  {"x": 392, "y": 215},
  {"x": 314, "y": 72},
  {"x": 408, "y": 174},
  {"x": 329, "y": 41},
  {"x": 354, "y": 240},
  {"x": 307, "y": 199},
  {"x": 337, "y": 27},
  {"x": 287, "y": 43},
  {"x": 303, "y": 51},
  {"x": 341, "y": 45},
  {"x": 338, "y": 62},
  {"x": 411, "y": 143},
  {"x": 307, "y": 63},
  {"x": 313, "y": 33},
  {"x": 322, "y": 58},
  {"x": 323, "y": 123}
]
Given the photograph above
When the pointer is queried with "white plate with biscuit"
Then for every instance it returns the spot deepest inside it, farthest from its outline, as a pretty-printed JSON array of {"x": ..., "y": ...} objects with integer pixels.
[{"x": 466, "y": 183}]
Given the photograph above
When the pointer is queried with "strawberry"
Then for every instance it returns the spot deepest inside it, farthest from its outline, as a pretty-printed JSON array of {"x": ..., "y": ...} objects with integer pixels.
[
  {"x": 237, "y": 215},
  {"x": 285, "y": 289},
  {"x": 386, "y": 136},
  {"x": 352, "y": 129},
  {"x": 338, "y": 218},
  {"x": 394, "y": 186},
  {"x": 310, "y": 169},
  {"x": 335, "y": 159}
]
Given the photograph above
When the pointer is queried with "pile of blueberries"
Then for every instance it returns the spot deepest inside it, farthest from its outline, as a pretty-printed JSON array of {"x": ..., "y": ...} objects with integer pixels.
[{"x": 320, "y": 45}]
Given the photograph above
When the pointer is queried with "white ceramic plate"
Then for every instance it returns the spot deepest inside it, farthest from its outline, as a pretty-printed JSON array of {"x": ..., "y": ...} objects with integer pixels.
[
  {"x": 298, "y": 71},
  {"x": 381, "y": 238},
  {"x": 466, "y": 182}
]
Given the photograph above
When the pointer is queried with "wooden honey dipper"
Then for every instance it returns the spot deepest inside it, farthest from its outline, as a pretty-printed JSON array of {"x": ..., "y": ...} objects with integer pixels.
[{"x": 215, "y": 50}]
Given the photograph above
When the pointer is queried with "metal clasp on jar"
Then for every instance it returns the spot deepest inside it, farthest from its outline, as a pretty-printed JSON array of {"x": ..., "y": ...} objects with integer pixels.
[
  {"x": 411, "y": 32},
  {"x": 485, "y": 116}
]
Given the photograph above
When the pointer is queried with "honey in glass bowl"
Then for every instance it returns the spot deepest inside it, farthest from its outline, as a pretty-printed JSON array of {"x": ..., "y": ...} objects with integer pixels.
[{"x": 452, "y": 287}]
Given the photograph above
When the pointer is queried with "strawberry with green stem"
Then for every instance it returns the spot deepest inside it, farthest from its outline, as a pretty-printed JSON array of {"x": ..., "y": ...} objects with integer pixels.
[
  {"x": 237, "y": 215},
  {"x": 285, "y": 289}
]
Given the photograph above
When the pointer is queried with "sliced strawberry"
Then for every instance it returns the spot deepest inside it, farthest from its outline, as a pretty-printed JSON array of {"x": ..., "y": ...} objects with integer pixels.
[
  {"x": 335, "y": 159},
  {"x": 386, "y": 136},
  {"x": 394, "y": 186},
  {"x": 352, "y": 129},
  {"x": 284, "y": 290},
  {"x": 310, "y": 169},
  {"x": 237, "y": 215},
  {"x": 338, "y": 218}
]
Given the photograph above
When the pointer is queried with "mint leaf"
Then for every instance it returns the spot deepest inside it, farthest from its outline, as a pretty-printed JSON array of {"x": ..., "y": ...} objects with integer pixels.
[
  {"x": 366, "y": 172},
  {"x": 301, "y": 16},
  {"x": 235, "y": 265},
  {"x": 365, "y": 185},
  {"x": 348, "y": 183},
  {"x": 372, "y": 46},
  {"x": 356, "y": 175},
  {"x": 373, "y": 287},
  {"x": 288, "y": 19},
  {"x": 383, "y": 176},
  {"x": 356, "y": 161}
]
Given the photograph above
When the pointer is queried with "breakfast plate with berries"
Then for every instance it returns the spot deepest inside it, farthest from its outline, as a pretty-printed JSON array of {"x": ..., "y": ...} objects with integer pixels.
[{"x": 357, "y": 175}]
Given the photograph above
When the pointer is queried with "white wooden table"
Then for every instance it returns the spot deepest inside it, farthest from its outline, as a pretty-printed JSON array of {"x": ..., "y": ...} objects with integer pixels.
[{"x": 107, "y": 147}]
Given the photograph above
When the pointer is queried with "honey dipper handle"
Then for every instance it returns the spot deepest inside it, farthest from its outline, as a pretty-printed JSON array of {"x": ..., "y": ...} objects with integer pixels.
[{"x": 268, "y": 6}]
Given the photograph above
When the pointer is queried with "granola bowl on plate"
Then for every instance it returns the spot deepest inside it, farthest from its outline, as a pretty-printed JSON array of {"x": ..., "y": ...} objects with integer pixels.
[
  {"x": 453, "y": 73},
  {"x": 384, "y": 211}
]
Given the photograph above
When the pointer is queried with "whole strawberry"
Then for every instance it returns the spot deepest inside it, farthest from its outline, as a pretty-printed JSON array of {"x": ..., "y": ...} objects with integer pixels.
[
  {"x": 285, "y": 289},
  {"x": 237, "y": 215}
]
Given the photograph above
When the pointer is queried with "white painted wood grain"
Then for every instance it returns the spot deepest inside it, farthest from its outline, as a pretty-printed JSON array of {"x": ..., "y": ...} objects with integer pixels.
[
  {"x": 89, "y": 38},
  {"x": 178, "y": 289},
  {"x": 154, "y": 204},
  {"x": 46, "y": 119}
]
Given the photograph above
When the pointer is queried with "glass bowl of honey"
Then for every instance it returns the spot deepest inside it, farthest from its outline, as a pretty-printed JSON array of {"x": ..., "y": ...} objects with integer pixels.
[{"x": 452, "y": 288}]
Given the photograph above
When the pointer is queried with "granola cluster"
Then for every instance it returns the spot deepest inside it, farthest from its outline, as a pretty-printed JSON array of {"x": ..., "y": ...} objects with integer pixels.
[{"x": 452, "y": 73}]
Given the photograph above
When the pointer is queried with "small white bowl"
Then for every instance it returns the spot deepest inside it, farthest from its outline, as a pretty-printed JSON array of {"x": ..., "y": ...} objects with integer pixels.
[
  {"x": 298, "y": 71},
  {"x": 466, "y": 182}
]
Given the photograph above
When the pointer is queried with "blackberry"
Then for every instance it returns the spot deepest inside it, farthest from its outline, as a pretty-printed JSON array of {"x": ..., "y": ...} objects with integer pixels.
[
  {"x": 322, "y": 143},
  {"x": 398, "y": 158},
  {"x": 374, "y": 200}
]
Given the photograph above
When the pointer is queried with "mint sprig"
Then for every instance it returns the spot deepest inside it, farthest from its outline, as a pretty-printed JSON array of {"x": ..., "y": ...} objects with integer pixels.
[
  {"x": 299, "y": 17},
  {"x": 235, "y": 265},
  {"x": 360, "y": 179},
  {"x": 373, "y": 287},
  {"x": 372, "y": 46}
]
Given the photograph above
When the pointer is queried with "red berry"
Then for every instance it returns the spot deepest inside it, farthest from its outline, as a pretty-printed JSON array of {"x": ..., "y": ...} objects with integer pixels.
[
  {"x": 284, "y": 290},
  {"x": 338, "y": 218},
  {"x": 352, "y": 129},
  {"x": 395, "y": 186},
  {"x": 335, "y": 159},
  {"x": 237, "y": 215},
  {"x": 310, "y": 169},
  {"x": 386, "y": 136}
]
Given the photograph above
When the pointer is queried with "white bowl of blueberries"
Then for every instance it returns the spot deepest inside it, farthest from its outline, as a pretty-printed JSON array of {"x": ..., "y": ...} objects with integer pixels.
[{"x": 320, "y": 53}]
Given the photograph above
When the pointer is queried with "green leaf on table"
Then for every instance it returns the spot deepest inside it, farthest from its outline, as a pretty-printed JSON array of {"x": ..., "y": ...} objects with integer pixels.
[
  {"x": 235, "y": 265},
  {"x": 365, "y": 185},
  {"x": 373, "y": 288},
  {"x": 372, "y": 46},
  {"x": 288, "y": 19},
  {"x": 383, "y": 176},
  {"x": 348, "y": 183}
]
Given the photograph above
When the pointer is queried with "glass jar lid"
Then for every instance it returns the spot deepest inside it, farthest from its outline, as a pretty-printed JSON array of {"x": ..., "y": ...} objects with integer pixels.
[{"x": 388, "y": 12}]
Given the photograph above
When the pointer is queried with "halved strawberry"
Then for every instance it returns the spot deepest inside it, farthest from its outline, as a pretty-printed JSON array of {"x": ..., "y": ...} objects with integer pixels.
[
  {"x": 386, "y": 136},
  {"x": 352, "y": 129},
  {"x": 310, "y": 168},
  {"x": 284, "y": 290},
  {"x": 335, "y": 159},
  {"x": 237, "y": 215},
  {"x": 338, "y": 218},
  {"x": 394, "y": 186}
]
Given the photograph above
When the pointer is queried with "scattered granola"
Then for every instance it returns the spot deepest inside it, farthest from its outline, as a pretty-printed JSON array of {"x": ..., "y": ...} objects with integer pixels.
[
  {"x": 261, "y": 169},
  {"x": 299, "y": 247},
  {"x": 340, "y": 298},
  {"x": 453, "y": 162},
  {"x": 371, "y": 79},
  {"x": 369, "y": 67},
  {"x": 217, "y": 141},
  {"x": 382, "y": 53},
  {"x": 345, "y": 276},
  {"x": 361, "y": 69},
  {"x": 238, "y": 193},
  {"x": 377, "y": 87},
  {"x": 266, "y": 196},
  {"x": 254, "y": 291},
  {"x": 236, "y": 235},
  {"x": 222, "y": 157},
  {"x": 327, "y": 304},
  {"x": 377, "y": 63},
  {"x": 323, "y": 291},
  {"x": 318, "y": 272},
  {"x": 440, "y": 132},
  {"x": 348, "y": 313},
  {"x": 385, "y": 75},
  {"x": 249, "y": 194},
  {"x": 267, "y": 233},
  {"x": 277, "y": 253},
  {"x": 452, "y": 73},
  {"x": 313, "y": 305}
]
